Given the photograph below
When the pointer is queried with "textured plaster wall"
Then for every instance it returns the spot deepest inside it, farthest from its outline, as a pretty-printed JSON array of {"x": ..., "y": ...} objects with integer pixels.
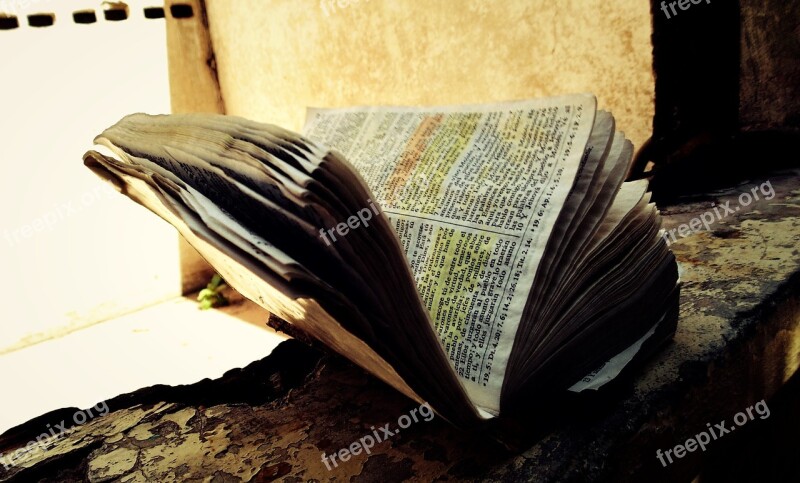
[{"x": 276, "y": 57}]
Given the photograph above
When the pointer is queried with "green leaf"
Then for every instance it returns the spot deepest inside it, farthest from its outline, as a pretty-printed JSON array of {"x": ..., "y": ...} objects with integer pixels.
[{"x": 212, "y": 295}]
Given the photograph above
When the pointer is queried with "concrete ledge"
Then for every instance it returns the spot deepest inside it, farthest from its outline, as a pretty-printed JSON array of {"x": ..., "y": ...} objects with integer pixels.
[{"x": 738, "y": 342}]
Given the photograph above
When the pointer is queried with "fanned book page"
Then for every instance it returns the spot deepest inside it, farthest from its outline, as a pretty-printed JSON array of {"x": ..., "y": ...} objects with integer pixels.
[
  {"x": 474, "y": 193},
  {"x": 473, "y": 257}
]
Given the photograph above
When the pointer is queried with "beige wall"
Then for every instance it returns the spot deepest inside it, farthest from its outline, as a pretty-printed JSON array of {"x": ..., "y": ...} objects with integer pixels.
[{"x": 275, "y": 57}]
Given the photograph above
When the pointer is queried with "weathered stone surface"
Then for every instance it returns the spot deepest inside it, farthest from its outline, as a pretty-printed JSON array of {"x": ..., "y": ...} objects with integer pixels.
[
  {"x": 738, "y": 342},
  {"x": 769, "y": 87}
]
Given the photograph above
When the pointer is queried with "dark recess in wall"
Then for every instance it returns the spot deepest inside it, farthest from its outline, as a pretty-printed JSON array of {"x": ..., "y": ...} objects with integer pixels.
[{"x": 727, "y": 95}]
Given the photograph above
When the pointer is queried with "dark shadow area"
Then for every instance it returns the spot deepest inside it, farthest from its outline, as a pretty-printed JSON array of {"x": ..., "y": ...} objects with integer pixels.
[
  {"x": 181, "y": 10},
  {"x": 153, "y": 12},
  {"x": 84, "y": 17},
  {"x": 41, "y": 20},
  {"x": 765, "y": 450},
  {"x": 8, "y": 22},
  {"x": 116, "y": 14},
  {"x": 726, "y": 92}
]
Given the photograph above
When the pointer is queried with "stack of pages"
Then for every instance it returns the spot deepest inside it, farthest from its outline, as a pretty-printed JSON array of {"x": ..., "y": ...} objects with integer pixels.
[{"x": 473, "y": 257}]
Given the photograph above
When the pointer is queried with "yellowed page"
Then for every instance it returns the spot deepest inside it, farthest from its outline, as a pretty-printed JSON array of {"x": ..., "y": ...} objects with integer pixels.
[{"x": 473, "y": 192}]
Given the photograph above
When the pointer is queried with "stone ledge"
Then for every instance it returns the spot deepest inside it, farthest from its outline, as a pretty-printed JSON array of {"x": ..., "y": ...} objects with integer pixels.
[{"x": 738, "y": 341}]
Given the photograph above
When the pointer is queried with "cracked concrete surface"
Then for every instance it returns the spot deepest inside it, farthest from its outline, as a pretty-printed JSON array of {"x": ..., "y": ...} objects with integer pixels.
[{"x": 738, "y": 341}]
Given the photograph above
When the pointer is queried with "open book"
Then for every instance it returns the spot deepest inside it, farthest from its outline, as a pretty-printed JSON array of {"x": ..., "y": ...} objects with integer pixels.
[{"x": 472, "y": 257}]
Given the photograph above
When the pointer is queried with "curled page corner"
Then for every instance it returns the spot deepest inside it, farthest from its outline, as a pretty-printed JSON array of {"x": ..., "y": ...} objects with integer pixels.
[
  {"x": 486, "y": 413},
  {"x": 612, "y": 368}
]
